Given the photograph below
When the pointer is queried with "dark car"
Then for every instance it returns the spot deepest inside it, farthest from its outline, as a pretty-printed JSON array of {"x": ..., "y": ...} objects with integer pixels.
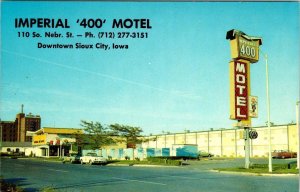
[
  {"x": 282, "y": 154},
  {"x": 205, "y": 154},
  {"x": 72, "y": 158}
]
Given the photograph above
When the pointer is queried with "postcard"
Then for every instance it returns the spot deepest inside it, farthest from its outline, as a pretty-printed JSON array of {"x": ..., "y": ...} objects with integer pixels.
[{"x": 165, "y": 96}]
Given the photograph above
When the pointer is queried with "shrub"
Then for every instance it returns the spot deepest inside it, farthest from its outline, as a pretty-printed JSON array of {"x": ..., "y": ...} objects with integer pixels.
[
  {"x": 127, "y": 158},
  {"x": 165, "y": 160},
  {"x": 292, "y": 165}
]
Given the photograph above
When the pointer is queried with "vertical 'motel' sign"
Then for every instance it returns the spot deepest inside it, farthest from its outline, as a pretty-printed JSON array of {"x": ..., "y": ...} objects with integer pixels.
[{"x": 239, "y": 89}]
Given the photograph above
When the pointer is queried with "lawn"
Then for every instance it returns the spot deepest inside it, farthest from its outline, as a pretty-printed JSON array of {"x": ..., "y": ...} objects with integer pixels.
[{"x": 263, "y": 168}]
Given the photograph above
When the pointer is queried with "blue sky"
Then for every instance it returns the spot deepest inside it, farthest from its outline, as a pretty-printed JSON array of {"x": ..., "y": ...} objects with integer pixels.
[{"x": 176, "y": 79}]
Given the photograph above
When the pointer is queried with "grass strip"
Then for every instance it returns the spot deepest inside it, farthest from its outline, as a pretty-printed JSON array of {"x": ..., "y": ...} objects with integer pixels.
[{"x": 263, "y": 169}]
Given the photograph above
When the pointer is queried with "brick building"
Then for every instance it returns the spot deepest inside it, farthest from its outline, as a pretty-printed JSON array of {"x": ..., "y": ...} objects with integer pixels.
[
  {"x": 8, "y": 131},
  {"x": 15, "y": 131}
]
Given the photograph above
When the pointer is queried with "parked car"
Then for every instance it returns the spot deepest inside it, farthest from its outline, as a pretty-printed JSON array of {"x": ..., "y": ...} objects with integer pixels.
[
  {"x": 205, "y": 154},
  {"x": 72, "y": 158},
  {"x": 92, "y": 158},
  {"x": 283, "y": 154}
]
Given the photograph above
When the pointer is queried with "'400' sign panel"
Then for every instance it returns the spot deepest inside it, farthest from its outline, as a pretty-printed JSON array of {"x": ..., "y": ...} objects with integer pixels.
[
  {"x": 243, "y": 46},
  {"x": 239, "y": 89}
]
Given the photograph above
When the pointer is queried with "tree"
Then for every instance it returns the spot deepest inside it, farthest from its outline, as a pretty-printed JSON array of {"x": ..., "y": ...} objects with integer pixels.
[
  {"x": 96, "y": 134},
  {"x": 131, "y": 134},
  {"x": 80, "y": 141}
]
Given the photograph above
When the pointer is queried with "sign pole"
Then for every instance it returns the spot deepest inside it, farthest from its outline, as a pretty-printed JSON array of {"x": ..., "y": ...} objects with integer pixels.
[
  {"x": 247, "y": 147},
  {"x": 244, "y": 50}
]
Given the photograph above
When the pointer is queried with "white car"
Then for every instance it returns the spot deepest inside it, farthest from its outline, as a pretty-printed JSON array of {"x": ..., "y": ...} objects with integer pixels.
[{"x": 92, "y": 158}]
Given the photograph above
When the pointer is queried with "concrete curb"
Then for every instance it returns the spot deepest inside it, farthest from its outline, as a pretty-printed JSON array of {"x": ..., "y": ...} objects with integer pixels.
[
  {"x": 140, "y": 165},
  {"x": 40, "y": 159},
  {"x": 113, "y": 164},
  {"x": 256, "y": 174},
  {"x": 117, "y": 165}
]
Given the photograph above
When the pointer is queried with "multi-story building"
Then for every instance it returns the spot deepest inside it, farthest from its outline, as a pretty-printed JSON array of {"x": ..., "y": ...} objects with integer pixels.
[
  {"x": 25, "y": 123},
  {"x": 15, "y": 131},
  {"x": 8, "y": 131}
]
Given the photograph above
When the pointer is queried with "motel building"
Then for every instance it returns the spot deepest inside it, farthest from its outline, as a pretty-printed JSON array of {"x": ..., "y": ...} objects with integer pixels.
[
  {"x": 229, "y": 142},
  {"x": 53, "y": 142}
]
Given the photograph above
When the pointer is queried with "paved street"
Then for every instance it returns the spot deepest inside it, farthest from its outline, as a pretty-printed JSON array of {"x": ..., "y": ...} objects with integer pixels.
[{"x": 34, "y": 175}]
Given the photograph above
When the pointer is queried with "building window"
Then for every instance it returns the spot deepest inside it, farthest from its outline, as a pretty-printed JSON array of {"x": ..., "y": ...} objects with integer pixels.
[{"x": 32, "y": 126}]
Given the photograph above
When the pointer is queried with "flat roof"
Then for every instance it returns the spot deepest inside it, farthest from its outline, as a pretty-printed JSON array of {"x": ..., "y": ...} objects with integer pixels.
[
  {"x": 7, "y": 122},
  {"x": 216, "y": 130},
  {"x": 16, "y": 144},
  {"x": 56, "y": 130}
]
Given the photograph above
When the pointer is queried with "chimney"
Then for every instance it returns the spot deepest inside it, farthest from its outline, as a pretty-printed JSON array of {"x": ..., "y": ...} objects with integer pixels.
[{"x": 22, "y": 107}]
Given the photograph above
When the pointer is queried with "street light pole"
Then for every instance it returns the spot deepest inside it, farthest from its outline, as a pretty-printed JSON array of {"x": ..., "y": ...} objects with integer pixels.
[
  {"x": 268, "y": 113},
  {"x": 297, "y": 127},
  {"x": 1, "y": 133}
]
